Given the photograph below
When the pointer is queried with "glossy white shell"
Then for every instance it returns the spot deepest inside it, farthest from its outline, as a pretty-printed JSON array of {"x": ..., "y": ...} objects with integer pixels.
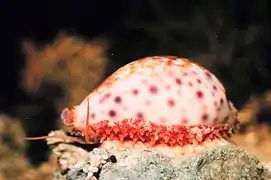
[{"x": 164, "y": 90}]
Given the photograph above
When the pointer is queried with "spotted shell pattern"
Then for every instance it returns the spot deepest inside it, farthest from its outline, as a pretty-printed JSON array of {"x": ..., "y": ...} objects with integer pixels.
[{"x": 163, "y": 90}]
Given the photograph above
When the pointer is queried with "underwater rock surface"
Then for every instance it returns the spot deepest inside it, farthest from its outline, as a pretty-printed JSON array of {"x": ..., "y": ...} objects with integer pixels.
[{"x": 221, "y": 162}]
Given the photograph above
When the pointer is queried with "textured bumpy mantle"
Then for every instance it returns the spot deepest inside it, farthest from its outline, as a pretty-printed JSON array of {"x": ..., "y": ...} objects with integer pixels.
[{"x": 154, "y": 134}]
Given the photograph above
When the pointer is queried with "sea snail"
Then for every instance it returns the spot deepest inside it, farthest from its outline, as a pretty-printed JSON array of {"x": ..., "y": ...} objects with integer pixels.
[{"x": 155, "y": 100}]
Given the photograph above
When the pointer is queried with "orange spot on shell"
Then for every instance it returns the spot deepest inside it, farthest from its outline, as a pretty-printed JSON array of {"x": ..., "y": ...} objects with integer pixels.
[{"x": 171, "y": 103}]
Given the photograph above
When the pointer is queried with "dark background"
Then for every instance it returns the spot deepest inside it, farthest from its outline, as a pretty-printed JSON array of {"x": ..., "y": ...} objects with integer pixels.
[{"x": 134, "y": 29}]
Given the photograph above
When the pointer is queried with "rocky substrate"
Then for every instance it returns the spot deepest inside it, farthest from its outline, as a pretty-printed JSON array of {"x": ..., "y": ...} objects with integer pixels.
[{"x": 224, "y": 161}]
